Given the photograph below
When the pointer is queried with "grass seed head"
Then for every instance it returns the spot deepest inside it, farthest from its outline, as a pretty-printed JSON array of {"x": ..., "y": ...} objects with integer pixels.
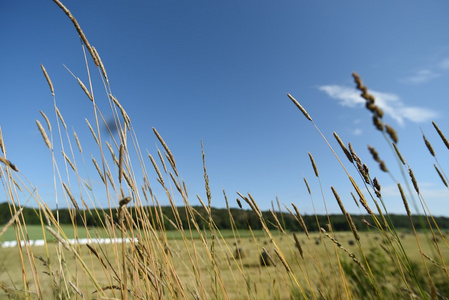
[
  {"x": 161, "y": 140},
  {"x": 79, "y": 30},
  {"x": 84, "y": 88},
  {"x": 412, "y": 177},
  {"x": 315, "y": 169},
  {"x": 352, "y": 226},
  {"x": 78, "y": 142},
  {"x": 343, "y": 147},
  {"x": 60, "y": 117},
  {"x": 392, "y": 133},
  {"x": 300, "y": 107},
  {"x": 440, "y": 133},
  {"x": 441, "y": 175},
  {"x": 102, "y": 68},
  {"x": 298, "y": 246},
  {"x": 72, "y": 199},
  {"x": 48, "y": 80},
  {"x": 44, "y": 134},
  {"x": 404, "y": 200},
  {"x": 2, "y": 145},
  {"x": 378, "y": 123},
  {"x": 428, "y": 145},
  {"x": 399, "y": 154},
  {"x": 307, "y": 185},
  {"x": 337, "y": 197},
  {"x": 46, "y": 120}
]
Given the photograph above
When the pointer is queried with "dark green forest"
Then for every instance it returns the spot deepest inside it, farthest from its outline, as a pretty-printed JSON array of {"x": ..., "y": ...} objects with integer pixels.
[{"x": 241, "y": 218}]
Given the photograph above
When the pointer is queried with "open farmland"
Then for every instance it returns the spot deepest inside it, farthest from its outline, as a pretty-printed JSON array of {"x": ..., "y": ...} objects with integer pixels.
[
  {"x": 253, "y": 279},
  {"x": 116, "y": 220}
]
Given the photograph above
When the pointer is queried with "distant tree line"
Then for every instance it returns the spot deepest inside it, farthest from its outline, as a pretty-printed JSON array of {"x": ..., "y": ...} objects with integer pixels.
[{"x": 242, "y": 219}]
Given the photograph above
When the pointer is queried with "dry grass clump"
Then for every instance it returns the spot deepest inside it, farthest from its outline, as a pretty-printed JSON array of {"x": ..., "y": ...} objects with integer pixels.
[{"x": 136, "y": 259}]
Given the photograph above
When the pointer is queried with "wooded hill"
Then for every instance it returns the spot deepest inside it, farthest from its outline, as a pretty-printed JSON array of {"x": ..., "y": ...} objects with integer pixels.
[{"x": 241, "y": 218}]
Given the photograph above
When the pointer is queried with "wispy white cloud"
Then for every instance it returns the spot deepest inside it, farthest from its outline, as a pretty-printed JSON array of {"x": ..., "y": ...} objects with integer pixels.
[
  {"x": 421, "y": 76},
  {"x": 427, "y": 74},
  {"x": 429, "y": 190},
  {"x": 391, "y": 104},
  {"x": 356, "y": 131},
  {"x": 444, "y": 64}
]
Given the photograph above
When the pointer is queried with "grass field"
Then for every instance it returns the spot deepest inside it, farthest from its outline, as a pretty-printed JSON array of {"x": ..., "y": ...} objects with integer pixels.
[
  {"x": 198, "y": 260},
  {"x": 36, "y": 232},
  {"x": 255, "y": 281}
]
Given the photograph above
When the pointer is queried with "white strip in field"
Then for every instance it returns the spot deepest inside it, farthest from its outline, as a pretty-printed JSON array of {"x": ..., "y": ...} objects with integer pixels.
[{"x": 9, "y": 244}]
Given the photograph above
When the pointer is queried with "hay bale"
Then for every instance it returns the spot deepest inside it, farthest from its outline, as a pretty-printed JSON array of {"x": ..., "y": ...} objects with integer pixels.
[
  {"x": 239, "y": 253},
  {"x": 264, "y": 259}
]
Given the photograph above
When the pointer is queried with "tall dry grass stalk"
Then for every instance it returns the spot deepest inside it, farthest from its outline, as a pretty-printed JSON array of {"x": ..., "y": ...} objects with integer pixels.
[
  {"x": 140, "y": 259},
  {"x": 79, "y": 30},
  {"x": 2, "y": 147},
  {"x": 8, "y": 164},
  {"x": 50, "y": 84},
  {"x": 440, "y": 133},
  {"x": 300, "y": 107},
  {"x": 44, "y": 134}
]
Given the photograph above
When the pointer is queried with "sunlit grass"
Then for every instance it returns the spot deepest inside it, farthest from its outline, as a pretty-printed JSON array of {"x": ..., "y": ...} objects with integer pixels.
[{"x": 196, "y": 259}]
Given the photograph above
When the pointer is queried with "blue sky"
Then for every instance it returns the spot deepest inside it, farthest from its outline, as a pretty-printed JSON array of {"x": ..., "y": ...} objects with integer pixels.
[{"x": 219, "y": 72}]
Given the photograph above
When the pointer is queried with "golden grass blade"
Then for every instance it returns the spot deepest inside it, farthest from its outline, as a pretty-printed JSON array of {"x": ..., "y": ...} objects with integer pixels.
[
  {"x": 11, "y": 221},
  {"x": 59, "y": 238}
]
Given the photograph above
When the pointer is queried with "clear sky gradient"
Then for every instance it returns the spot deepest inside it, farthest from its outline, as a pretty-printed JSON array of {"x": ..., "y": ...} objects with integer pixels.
[{"x": 219, "y": 71}]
